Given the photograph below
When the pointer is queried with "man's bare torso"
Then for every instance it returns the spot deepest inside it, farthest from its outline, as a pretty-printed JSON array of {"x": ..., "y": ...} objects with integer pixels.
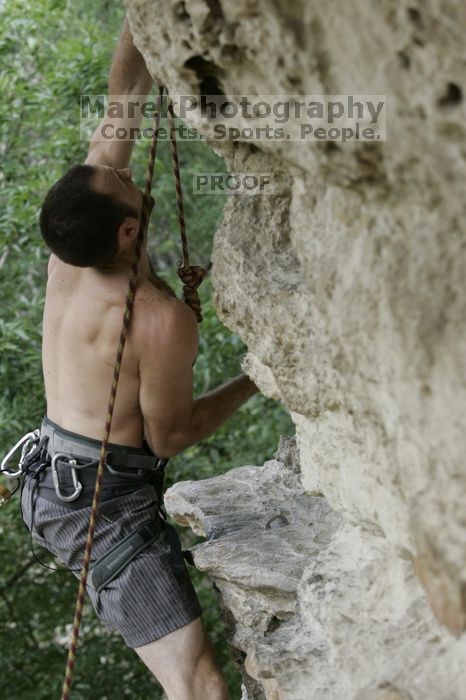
[{"x": 82, "y": 322}]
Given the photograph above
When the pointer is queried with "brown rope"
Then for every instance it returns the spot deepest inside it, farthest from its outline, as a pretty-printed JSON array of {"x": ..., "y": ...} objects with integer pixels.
[
  {"x": 190, "y": 275},
  {"x": 70, "y": 663}
]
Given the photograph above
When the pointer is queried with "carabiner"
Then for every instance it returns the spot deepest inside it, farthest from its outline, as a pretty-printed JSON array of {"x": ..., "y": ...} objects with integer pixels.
[
  {"x": 27, "y": 442},
  {"x": 56, "y": 481}
]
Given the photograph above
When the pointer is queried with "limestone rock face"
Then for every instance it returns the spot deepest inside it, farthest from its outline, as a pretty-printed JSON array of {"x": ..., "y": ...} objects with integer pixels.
[
  {"x": 347, "y": 284},
  {"x": 319, "y": 608},
  {"x": 262, "y": 531}
]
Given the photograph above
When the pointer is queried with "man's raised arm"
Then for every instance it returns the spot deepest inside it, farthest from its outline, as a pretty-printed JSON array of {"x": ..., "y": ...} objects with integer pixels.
[{"x": 129, "y": 82}]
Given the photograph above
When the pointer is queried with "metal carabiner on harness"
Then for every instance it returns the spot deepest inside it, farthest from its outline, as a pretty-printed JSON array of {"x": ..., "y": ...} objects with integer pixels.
[
  {"x": 56, "y": 480},
  {"x": 27, "y": 442}
]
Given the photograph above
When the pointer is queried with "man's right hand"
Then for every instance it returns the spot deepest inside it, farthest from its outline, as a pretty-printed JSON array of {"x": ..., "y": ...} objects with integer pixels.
[{"x": 128, "y": 79}]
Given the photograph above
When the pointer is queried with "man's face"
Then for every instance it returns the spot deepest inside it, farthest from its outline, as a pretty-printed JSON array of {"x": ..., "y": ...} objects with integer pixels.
[{"x": 119, "y": 185}]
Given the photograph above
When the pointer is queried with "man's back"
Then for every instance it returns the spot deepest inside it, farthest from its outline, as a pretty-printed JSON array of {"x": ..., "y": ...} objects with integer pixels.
[{"x": 82, "y": 323}]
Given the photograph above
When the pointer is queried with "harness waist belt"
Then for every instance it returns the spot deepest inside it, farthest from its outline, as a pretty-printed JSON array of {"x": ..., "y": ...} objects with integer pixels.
[
  {"x": 121, "y": 554},
  {"x": 119, "y": 457}
]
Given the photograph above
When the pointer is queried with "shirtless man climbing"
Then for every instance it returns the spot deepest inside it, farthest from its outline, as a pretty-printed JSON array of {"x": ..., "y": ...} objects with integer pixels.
[{"x": 90, "y": 220}]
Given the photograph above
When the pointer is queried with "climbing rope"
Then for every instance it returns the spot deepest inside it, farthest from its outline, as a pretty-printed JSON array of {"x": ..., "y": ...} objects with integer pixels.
[{"x": 192, "y": 277}]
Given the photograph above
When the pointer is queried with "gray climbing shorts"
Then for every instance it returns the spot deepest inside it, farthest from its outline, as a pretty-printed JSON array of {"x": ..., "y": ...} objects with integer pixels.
[{"x": 153, "y": 595}]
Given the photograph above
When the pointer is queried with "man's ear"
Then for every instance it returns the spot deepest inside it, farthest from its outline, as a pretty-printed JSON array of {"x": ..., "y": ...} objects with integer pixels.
[{"x": 128, "y": 230}]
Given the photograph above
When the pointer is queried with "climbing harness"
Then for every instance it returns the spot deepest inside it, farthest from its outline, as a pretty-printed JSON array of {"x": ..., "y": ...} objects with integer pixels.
[
  {"x": 121, "y": 554},
  {"x": 34, "y": 458}
]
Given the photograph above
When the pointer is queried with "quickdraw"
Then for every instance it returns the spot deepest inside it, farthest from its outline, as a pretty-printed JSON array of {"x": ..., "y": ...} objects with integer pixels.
[{"x": 27, "y": 444}]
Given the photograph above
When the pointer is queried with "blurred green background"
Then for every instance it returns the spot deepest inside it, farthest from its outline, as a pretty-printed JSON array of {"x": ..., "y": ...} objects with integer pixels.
[{"x": 51, "y": 52}]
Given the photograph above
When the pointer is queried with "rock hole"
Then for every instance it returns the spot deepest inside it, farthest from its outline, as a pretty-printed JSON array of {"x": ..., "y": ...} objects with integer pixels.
[
  {"x": 453, "y": 96},
  {"x": 274, "y": 623},
  {"x": 294, "y": 80},
  {"x": 180, "y": 12},
  {"x": 331, "y": 147},
  {"x": 206, "y": 73},
  {"x": 415, "y": 17},
  {"x": 405, "y": 60},
  {"x": 215, "y": 8}
]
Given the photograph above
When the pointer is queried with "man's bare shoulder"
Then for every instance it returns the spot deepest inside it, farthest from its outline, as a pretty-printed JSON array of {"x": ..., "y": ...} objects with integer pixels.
[{"x": 163, "y": 322}]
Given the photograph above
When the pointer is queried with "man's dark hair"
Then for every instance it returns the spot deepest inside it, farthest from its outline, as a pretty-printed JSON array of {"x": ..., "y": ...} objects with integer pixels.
[{"x": 79, "y": 224}]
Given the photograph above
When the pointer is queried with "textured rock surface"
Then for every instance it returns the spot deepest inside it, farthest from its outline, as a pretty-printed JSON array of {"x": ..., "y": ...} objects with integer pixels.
[
  {"x": 318, "y": 607},
  {"x": 349, "y": 292},
  {"x": 262, "y": 530}
]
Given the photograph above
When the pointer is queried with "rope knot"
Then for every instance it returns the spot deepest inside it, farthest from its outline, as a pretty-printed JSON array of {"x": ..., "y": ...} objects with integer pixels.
[{"x": 191, "y": 276}]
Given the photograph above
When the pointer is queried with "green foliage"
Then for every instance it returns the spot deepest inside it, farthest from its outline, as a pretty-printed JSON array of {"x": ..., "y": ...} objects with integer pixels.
[{"x": 53, "y": 51}]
